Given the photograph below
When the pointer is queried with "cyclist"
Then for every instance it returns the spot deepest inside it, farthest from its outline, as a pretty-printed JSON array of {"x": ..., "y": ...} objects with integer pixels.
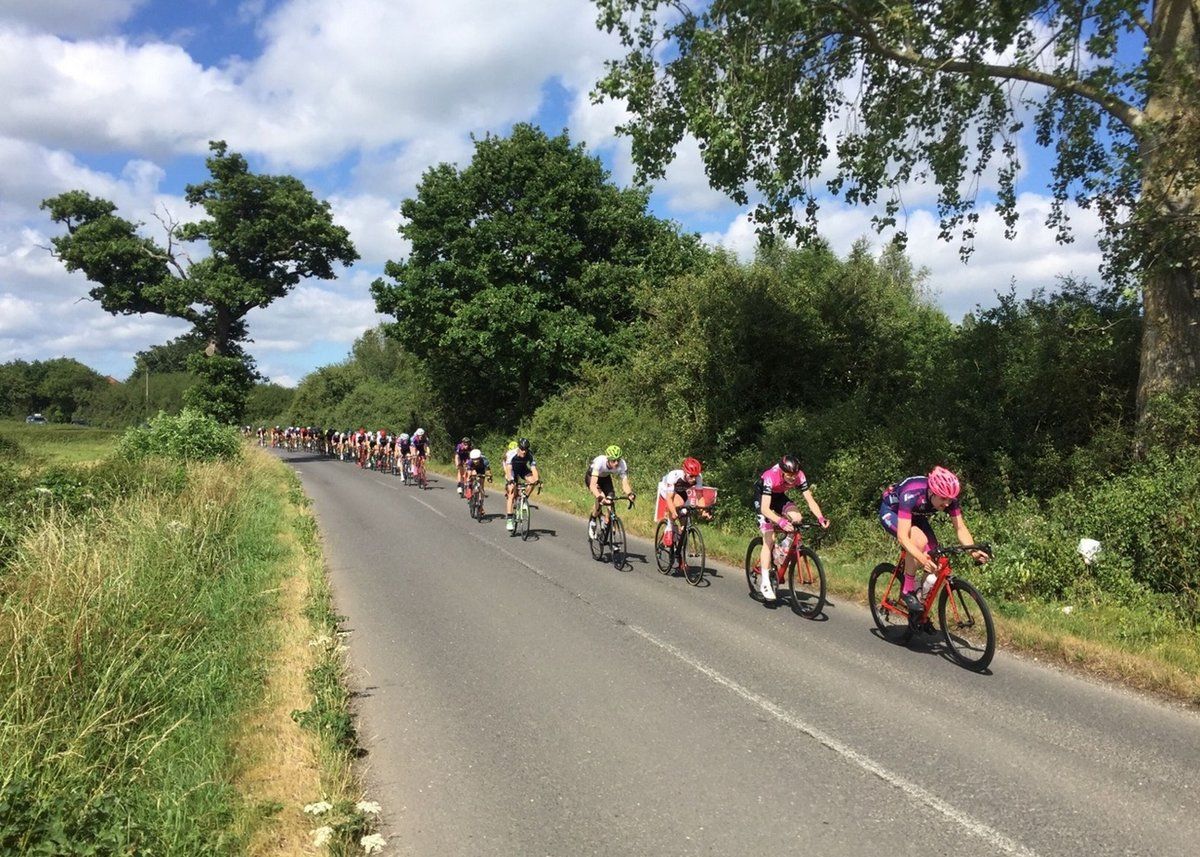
[
  {"x": 776, "y": 510},
  {"x": 462, "y": 452},
  {"x": 518, "y": 465},
  {"x": 599, "y": 480},
  {"x": 477, "y": 469},
  {"x": 673, "y": 495},
  {"x": 403, "y": 450},
  {"x": 904, "y": 512},
  {"x": 420, "y": 450}
]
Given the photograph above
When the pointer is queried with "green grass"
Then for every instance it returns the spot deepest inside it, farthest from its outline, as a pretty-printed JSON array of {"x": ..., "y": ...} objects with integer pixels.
[
  {"x": 132, "y": 642},
  {"x": 60, "y": 444}
]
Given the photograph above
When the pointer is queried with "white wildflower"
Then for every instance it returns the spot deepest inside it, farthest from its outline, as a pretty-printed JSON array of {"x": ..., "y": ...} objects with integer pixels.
[
  {"x": 372, "y": 843},
  {"x": 1068, "y": 609},
  {"x": 321, "y": 835},
  {"x": 318, "y": 807},
  {"x": 369, "y": 807}
]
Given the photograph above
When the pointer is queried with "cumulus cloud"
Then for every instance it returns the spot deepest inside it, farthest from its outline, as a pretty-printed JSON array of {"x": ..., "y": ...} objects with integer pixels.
[{"x": 1032, "y": 260}]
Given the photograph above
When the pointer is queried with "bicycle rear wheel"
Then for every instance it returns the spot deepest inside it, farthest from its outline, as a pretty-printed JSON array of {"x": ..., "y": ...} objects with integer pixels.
[
  {"x": 967, "y": 625},
  {"x": 616, "y": 542},
  {"x": 693, "y": 556},
  {"x": 883, "y": 591},
  {"x": 753, "y": 571},
  {"x": 806, "y": 580},
  {"x": 662, "y": 553}
]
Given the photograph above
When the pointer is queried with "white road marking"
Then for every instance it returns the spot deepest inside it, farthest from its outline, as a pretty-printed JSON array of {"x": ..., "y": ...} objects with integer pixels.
[{"x": 977, "y": 828}]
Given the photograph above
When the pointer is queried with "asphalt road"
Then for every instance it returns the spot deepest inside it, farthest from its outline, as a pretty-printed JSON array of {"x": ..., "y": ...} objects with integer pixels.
[{"x": 520, "y": 698}]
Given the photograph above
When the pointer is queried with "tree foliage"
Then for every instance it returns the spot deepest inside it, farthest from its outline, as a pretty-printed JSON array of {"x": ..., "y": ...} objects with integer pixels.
[
  {"x": 790, "y": 100},
  {"x": 59, "y": 389},
  {"x": 524, "y": 265},
  {"x": 261, "y": 236}
]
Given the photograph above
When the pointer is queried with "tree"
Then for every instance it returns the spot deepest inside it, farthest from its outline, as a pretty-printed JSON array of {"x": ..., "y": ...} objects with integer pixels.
[
  {"x": 262, "y": 234},
  {"x": 937, "y": 91},
  {"x": 523, "y": 267}
]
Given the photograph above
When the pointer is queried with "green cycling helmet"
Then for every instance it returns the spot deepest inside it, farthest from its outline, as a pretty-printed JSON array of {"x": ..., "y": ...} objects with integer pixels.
[
  {"x": 512, "y": 444},
  {"x": 613, "y": 451}
]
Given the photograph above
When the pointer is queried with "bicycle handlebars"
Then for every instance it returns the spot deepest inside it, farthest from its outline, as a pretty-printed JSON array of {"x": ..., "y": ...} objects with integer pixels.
[{"x": 958, "y": 550}]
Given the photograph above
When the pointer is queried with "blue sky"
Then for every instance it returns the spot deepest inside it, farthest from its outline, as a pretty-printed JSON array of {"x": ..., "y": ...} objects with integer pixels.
[{"x": 357, "y": 98}]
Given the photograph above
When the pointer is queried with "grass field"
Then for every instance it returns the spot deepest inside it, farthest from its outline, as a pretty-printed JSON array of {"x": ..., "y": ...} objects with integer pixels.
[{"x": 61, "y": 444}]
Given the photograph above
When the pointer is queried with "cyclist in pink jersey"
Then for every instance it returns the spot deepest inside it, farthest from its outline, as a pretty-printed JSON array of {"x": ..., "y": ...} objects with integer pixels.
[{"x": 776, "y": 510}]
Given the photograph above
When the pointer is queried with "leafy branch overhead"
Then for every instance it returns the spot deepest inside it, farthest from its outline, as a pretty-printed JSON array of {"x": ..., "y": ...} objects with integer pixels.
[{"x": 793, "y": 99}]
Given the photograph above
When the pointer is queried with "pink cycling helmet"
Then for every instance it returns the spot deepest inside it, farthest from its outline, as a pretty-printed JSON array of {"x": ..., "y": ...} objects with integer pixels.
[{"x": 943, "y": 483}]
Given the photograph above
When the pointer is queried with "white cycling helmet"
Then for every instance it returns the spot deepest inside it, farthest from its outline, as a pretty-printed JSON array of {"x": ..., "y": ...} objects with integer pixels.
[
  {"x": 476, "y": 455},
  {"x": 419, "y": 433},
  {"x": 404, "y": 436}
]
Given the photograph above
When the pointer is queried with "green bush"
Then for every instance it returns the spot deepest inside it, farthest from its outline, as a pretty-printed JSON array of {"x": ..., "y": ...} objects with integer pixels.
[{"x": 189, "y": 436}]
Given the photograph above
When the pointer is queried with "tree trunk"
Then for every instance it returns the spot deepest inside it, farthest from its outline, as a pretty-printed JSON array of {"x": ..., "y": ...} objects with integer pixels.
[{"x": 1170, "y": 357}]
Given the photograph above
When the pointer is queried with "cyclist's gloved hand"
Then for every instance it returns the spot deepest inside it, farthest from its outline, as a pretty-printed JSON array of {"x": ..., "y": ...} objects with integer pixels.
[
  {"x": 824, "y": 522},
  {"x": 785, "y": 524},
  {"x": 631, "y": 496}
]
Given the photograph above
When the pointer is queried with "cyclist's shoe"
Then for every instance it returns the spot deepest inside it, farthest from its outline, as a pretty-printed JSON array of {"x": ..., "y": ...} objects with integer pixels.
[
  {"x": 913, "y": 604},
  {"x": 765, "y": 589},
  {"x": 592, "y": 528},
  {"x": 459, "y": 489},
  {"x": 512, "y": 525}
]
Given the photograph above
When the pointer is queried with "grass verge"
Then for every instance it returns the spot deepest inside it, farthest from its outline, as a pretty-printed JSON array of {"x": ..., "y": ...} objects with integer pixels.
[
  {"x": 154, "y": 630},
  {"x": 1128, "y": 643}
]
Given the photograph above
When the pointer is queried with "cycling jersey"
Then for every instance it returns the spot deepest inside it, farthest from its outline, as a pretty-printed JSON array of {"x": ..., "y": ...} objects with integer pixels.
[
  {"x": 676, "y": 482},
  {"x": 462, "y": 452},
  {"x": 405, "y": 446},
  {"x": 479, "y": 466},
  {"x": 771, "y": 482},
  {"x": 600, "y": 467},
  {"x": 509, "y": 456},
  {"x": 521, "y": 466},
  {"x": 421, "y": 447},
  {"x": 910, "y": 499}
]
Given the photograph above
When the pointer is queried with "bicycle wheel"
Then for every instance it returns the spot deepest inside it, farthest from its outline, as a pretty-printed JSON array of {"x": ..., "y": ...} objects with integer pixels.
[
  {"x": 885, "y": 584},
  {"x": 806, "y": 580},
  {"x": 596, "y": 542},
  {"x": 523, "y": 521},
  {"x": 967, "y": 625},
  {"x": 662, "y": 553},
  {"x": 693, "y": 556},
  {"x": 616, "y": 542},
  {"x": 752, "y": 566}
]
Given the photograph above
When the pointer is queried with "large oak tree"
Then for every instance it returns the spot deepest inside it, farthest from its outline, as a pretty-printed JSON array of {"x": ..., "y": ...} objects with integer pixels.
[
  {"x": 524, "y": 265},
  {"x": 793, "y": 98},
  {"x": 261, "y": 236}
]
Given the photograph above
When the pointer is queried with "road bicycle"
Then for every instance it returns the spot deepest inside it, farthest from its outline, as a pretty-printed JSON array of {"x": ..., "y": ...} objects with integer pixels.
[
  {"x": 686, "y": 551},
  {"x": 605, "y": 530},
  {"x": 418, "y": 474},
  {"x": 406, "y": 470},
  {"x": 964, "y": 617},
  {"x": 474, "y": 495},
  {"x": 522, "y": 508},
  {"x": 795, "y": 563}
]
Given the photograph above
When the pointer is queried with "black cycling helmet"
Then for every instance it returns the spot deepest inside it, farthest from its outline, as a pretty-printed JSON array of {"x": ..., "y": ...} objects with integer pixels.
[
  {"x": 789, "y": 464},
  {"x": 523, "y": 444}
]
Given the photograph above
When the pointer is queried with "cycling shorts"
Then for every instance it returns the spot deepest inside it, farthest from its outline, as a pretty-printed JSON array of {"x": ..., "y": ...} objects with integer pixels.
[
  {"x": 780, "y": 505},
  {"x": 603, "y": 483},
  {"x": 889, "y": 519}
]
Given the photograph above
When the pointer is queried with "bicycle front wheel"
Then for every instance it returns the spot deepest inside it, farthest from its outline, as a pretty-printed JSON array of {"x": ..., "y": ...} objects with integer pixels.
[
  {"x": 883, "y": 591},
  {"x": 693, "y": 556},
  {"x": 523, "y": 520},
  {"x": 806, "y": 580},
  {"x": 662, "y": 553},
  {"x": 616, "y": 542},
  {"x": 967, "y": 625}
]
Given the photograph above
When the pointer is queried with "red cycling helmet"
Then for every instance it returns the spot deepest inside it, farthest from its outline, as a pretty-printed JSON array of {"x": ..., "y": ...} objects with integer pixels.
[
  {"x": 692, "y": 466},
  {"x": 943, "y": 483}
]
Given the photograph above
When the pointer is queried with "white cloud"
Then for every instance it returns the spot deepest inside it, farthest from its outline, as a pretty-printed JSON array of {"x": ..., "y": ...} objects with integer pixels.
[
  {"x": 68, "y": 17},
  {"x": 1032, "y": 260},
  {"x": 372, "y": 221}
]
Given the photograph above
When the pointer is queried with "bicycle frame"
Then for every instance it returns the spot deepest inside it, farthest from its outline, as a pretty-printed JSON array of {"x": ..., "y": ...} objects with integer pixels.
[{"x": 945, "y": 577}]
